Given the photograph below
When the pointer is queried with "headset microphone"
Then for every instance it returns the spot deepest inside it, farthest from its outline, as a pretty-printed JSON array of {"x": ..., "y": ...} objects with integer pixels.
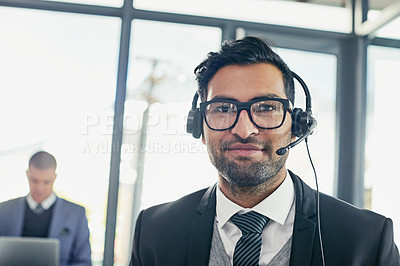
[
  {"x": 312, "y": 125},
  {"x": 303, "y": 122}
]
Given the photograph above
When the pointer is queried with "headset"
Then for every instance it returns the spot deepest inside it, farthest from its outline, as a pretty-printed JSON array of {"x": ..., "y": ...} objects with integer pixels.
[
  {"x": 303, "y": 125},
  {"x": 303, "y": 122}
]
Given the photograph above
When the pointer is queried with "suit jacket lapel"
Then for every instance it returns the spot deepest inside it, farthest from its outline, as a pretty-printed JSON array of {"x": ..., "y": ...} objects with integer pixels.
[
  {"x": 202, "y": 229},
  {"x": 56, "y": 219},
  {"x": 18, "y": 224},
  {"x": 304, "y": 230}
]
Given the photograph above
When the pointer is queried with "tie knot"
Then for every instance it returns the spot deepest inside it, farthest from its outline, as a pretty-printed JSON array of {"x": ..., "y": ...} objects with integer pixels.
[
  {"x": 250, "y": 222},
  {"x": 39, "y": 209}
]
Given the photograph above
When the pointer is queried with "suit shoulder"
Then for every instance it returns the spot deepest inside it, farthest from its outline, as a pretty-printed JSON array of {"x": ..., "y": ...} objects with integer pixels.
[
  {"x": 70, "y": 205},
  {"x": 185, "y": 205},
  {"x": 10, "y": 203},
  {"x": 187, "y": 200},
  {"x": 333, "y": 206}
]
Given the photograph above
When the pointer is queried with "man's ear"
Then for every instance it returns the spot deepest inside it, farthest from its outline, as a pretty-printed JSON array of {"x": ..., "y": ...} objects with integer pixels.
[
  {"x": 27, "y": 173},
  {"x": 203, "y": 139}
]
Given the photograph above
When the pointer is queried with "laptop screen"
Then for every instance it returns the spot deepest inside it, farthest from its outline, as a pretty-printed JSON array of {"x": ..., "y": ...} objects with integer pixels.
[{"x": 32, "y": 251}]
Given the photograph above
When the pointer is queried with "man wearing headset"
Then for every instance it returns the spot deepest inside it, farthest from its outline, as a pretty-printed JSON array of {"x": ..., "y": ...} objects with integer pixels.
[{"x": 258, "y": 213}]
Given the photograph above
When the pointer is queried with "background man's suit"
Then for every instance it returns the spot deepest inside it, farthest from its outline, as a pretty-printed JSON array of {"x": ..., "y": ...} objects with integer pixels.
[
  {"x": 180, "y": 233},
  {"x": 68, "y": 224}
]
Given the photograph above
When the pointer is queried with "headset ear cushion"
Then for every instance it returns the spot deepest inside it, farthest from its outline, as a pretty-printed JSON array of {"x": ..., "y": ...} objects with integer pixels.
[
  {"x": 194, "y": 123},
  {"x": 300, "y": 121}
]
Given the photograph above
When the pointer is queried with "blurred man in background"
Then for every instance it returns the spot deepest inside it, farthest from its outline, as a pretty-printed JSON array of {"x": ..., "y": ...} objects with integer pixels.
[{"x": 42, "y": 214}]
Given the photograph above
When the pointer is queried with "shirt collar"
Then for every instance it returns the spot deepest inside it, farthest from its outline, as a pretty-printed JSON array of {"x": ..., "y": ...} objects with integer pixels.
[
  {"x": 46, "y": 203},
  {"x": 276, "y": 206}
]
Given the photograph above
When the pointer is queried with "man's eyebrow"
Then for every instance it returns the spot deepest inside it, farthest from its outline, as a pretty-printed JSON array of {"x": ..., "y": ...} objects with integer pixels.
[
  {"x": 268, "y": 95},
  {"x": 221, "y": 97}
]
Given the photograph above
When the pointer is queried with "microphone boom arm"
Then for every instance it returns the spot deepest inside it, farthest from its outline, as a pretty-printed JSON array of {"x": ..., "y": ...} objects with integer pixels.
[{"x": 283, "y": 150}]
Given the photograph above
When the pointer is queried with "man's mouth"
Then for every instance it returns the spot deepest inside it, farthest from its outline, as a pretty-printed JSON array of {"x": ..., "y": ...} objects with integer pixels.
[{"x": 245, "y": 149}]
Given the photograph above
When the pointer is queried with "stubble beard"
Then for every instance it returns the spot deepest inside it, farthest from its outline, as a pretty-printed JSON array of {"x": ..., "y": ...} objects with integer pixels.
[{"x": 245, "y": 174}]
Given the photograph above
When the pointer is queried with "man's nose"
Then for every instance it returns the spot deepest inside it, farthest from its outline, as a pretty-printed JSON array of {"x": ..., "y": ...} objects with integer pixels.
[
  {"x": 244, "y": 128},
  {"x": 39, "y": 187}
]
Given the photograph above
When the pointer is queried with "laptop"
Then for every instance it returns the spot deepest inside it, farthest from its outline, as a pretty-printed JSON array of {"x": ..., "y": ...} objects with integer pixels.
[{"x": 29, "y": 251}]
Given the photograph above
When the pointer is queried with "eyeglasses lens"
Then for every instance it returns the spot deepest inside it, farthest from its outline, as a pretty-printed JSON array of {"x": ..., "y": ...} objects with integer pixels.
[{"x": 265, "y": 114}]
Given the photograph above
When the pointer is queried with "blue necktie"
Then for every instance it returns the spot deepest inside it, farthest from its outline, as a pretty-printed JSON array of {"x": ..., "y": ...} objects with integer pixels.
[{"x": 247, "y": 249}]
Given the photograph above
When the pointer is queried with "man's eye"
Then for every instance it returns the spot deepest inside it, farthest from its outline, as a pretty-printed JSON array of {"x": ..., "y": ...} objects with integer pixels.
[
  {"x": 264, "y": 108},
  {"x": 223, "y": 109}
]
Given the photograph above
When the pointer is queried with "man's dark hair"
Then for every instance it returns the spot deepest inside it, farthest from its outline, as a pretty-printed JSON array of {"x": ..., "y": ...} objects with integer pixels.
[
  {"x": 246, "y": 51},
  {"x": 43, "y": 160}
]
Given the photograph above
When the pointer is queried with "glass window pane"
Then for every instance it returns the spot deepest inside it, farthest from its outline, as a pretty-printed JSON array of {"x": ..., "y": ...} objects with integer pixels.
[
  {"x": 57, "y": 87},
  {"x": 381, "y": 155},
  {"x": 155, "y": 144},
  {"x": 319, "y": 73},
  {"x": 289, "y": 13}
]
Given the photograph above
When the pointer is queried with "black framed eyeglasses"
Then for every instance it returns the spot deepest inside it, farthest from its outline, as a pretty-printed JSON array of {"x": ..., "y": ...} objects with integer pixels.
[{"x": 265, "y": 113}]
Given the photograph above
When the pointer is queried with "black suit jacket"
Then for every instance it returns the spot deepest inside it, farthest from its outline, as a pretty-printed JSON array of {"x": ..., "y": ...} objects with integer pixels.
[{"x": 180, "y": 232}]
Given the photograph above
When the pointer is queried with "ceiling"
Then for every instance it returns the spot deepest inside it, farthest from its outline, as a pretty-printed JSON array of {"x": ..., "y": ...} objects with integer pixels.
[{"x": 374, "y": 4}]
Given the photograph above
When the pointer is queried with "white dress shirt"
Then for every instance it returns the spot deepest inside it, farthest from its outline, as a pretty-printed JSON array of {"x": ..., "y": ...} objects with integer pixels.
[
  {"x": 46, "y": 203},
  {"x": 279, "y": 207}
]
